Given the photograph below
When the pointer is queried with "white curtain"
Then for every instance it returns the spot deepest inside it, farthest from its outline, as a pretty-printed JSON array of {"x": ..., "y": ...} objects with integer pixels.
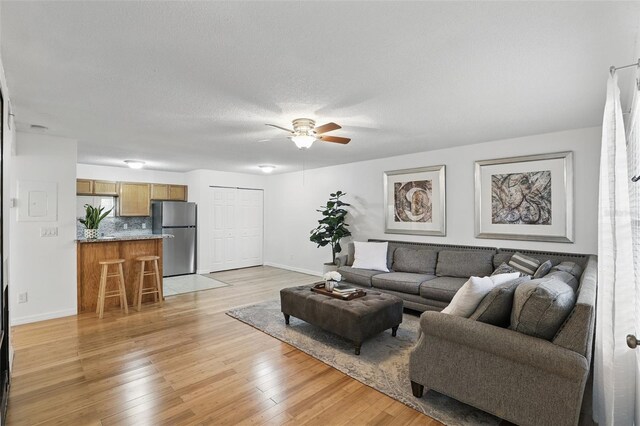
[
  {"x": 614, "y": 394},
  {"x": 633, "y": 160}
]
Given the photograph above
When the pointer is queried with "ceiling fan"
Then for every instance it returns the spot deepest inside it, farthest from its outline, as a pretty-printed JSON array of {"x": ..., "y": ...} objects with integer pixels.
[{"x": 305, "y": 132}]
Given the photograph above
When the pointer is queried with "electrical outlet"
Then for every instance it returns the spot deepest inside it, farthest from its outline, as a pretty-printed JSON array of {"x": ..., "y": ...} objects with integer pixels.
[
  {"x": 125, "y": 226},
  {"x": 49, "y": 232},
  {"x": 144, "y": 226},
  {"x": 23, "y": 297}
]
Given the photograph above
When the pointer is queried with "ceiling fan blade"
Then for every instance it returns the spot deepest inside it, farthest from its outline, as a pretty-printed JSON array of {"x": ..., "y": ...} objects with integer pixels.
[
  {"x": 335, "y": 139},
  {"x": 326, "y": 128},
  {"x": 279, "y": 127}
]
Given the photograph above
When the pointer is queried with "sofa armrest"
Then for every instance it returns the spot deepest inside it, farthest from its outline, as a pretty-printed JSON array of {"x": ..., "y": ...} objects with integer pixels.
[
  {"x": 507, "y": 344},
  {"x": 341, "y": 260}
]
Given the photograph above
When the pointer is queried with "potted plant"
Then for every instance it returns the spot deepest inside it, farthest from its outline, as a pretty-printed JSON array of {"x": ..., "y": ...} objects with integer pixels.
[
  {"x": 332, "y": 227},
  {"x": 92, "y": 219}
]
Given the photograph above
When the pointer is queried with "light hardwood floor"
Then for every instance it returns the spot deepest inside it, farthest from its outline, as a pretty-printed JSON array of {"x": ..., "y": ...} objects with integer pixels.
[{"x": 185, "y": 363}]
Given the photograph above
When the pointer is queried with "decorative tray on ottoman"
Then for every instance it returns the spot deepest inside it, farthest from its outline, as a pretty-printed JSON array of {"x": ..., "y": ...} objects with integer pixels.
[{"x": 319, "y": 288}]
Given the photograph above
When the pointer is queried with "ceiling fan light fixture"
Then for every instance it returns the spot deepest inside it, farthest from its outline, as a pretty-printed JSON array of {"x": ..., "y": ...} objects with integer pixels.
[
  {"x": 303, "y": 141},
  {"x": 135, "y": 164},
  {"x": 266, "y": 168}
]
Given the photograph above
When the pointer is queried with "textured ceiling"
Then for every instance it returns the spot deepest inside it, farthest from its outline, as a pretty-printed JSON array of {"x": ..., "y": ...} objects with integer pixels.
[{"x": 190, "y": 85}]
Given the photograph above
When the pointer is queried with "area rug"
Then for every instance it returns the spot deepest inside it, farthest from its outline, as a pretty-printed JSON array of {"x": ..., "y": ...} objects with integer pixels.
[{"x": 383, "y": 363}]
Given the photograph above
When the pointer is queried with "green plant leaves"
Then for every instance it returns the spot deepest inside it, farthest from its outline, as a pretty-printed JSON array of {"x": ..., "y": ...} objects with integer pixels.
[
  {"x": 93, "y": 216},
  {"x": 332, "y": 227}
]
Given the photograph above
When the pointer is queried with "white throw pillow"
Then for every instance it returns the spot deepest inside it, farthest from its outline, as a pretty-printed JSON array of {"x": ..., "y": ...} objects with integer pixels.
[
  {"x": 467, "y": 299},
  {"x": 370, "y": 256}
]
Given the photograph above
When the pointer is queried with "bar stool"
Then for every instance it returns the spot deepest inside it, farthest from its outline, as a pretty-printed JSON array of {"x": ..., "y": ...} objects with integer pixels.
[
  {"x": 103, "y": 294},
  {"x": 156, "y": 290}
]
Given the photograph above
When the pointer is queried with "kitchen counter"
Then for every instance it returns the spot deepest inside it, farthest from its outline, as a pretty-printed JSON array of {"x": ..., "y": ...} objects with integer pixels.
[
  {"x": 123, "y": 246},
  {"x": 125, "y": 237}
]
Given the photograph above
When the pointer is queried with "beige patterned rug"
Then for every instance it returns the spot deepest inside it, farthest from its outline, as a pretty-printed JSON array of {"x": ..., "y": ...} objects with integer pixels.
[{"x": 382, "y": 364}]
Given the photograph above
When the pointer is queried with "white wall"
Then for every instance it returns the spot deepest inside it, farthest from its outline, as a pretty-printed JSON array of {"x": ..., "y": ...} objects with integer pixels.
[
  {"x": 199, "y": 182},
  {"x": 293, "y": 198},
  {"x": 126, "y": 174},
  {"x": 45, "y": 268}
]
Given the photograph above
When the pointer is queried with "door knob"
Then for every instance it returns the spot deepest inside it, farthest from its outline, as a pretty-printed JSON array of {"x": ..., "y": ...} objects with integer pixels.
[{"x": 632, "y": 342}]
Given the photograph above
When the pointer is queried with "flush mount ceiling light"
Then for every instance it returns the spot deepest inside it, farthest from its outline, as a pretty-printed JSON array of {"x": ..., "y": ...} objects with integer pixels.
[
  {"x": 134, "y": 164},
  {"x": 266, "y": 168},
  {"x": 305, "y": 132}
]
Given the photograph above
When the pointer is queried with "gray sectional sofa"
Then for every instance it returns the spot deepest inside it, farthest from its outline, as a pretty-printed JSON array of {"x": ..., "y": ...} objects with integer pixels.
[{"x": 524, "y": 379}]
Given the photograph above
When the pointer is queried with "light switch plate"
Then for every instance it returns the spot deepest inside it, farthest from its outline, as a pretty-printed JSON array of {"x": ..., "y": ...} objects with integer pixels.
[{"x": 49, "y": 232}]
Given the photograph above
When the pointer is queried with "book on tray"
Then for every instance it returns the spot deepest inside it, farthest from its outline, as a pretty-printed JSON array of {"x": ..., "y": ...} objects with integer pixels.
[{"x": 343, "y": 289}]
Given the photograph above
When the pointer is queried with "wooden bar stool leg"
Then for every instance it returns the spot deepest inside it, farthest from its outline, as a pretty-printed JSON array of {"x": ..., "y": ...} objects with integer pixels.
[
  {"x": 140, "y": 285},
  {"x": 158, "y": 281},
  {"x": 123, "y": 291},
  {"x": 102, "y": 290}
]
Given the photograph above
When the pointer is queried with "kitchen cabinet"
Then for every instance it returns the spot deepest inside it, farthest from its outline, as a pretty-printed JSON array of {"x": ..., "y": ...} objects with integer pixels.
[
  {"x": 84, "y": 187},
  {"x": 102, "y": 187},
  {"x": 177, "y": 193},
  {"x": 134, "y": 199},
  {"x": 165, "y": 192},
  {"x": 96, "y": 187},
  {"x": 159, "y": 192}
]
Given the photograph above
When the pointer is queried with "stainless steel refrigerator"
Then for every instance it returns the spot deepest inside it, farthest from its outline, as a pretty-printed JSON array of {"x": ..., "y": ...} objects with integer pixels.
[{"x": 178, "y": 219}]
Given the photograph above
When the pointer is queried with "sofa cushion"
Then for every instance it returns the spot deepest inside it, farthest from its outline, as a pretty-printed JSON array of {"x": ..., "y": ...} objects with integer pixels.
[
  {"x": 567, "y": 272},
  {"x": 417, "y": 261},
  {"x": 500, "y": 258},
  {"x": 467, "y": 299},
  {"x": 541, "y": 306},
  {"x": 543, "y": 269},
  {"x": 357, "y": 276},
  {"x": 506, "y": 269},
  {"x": 495, "y": 308},
  {"x": 464, "y": 264},
  {"x": 371, "y": 256},
  {"x": 524, "y": 263},
  {"x": 441, "y": 288},
  {"x": 404, "y": 282}
]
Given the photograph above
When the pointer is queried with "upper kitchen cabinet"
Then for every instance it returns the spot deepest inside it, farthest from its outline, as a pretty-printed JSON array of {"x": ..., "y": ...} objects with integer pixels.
[
  {"x": 164, "y": 192},
  {"x": 159, "y": 191},
  {"x": 84, "y": 187},
  {"x": 96, "y": 187},
  {"x": 177, "y": 192},
  {"x": 134, "y": 199},
  {"x": 102, "y": 187}
]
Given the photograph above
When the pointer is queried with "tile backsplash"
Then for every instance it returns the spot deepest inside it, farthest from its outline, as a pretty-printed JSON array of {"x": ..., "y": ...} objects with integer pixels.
[{"x": 116, "y": 225}]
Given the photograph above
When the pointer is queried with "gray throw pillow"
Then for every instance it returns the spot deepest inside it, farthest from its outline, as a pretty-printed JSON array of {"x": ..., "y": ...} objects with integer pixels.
[
  {"x": 541, "y": 306},
  {"x": 495, "y": 308},
  {"x": 506, "y": 269},
  {"x": 543, "y": 269},
  {"x": 525, "y": 264},
  {"x": 416, "y": 261},
  {"x": 568, "y": 272}
]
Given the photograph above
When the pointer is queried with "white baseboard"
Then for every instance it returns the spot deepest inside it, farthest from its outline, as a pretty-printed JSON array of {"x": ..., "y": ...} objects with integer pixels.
[
  {"x": 294, "y": 269},
  {"x": 42, "y": 317}
]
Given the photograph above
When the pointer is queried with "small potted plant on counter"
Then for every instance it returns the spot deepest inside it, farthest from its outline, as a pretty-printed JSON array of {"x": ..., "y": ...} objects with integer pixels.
[
  {"x": 332, "y": 227},
  {"x": 92, "y": 219}
]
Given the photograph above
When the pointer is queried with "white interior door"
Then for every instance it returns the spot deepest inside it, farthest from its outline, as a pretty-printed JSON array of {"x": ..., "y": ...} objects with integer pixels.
[
  {"x": 236, "y": 228},
  {"x": 250, "y": 227}
]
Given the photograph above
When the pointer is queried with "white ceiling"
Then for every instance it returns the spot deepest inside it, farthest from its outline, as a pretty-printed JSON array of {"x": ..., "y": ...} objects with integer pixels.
[{"x": 190, "y": 85}]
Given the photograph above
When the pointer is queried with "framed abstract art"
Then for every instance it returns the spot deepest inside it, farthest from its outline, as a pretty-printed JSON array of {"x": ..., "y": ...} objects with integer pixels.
[
  {"x": 414, "y": 201},
  {"x": 525, "y": 198}
]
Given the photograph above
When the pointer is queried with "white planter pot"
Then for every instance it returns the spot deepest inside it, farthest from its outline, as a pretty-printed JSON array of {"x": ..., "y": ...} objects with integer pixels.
[
  {"x": 329, "y": 267},
  {"x": 91, "y": 234}
]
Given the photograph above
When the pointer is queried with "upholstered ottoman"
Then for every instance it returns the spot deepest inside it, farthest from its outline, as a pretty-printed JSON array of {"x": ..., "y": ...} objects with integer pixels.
[{"x": 356, "y": 319}]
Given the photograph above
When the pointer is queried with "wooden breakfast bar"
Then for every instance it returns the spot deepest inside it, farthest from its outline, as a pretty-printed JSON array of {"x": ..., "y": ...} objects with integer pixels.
[{"x": 91, "y": 252}]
